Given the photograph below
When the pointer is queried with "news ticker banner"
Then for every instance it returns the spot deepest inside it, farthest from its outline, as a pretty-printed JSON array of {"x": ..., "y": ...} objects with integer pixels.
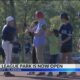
[{"x": 40, "y": 67}]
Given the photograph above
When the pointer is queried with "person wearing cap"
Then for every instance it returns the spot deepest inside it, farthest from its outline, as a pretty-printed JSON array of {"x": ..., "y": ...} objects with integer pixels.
[
  {"x": 8, "y": 35},
  {"x": 40, "y": 39}
]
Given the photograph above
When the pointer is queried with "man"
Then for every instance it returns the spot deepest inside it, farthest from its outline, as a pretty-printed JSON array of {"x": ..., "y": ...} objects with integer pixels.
[
  {"x": 8, "y": 34},
  {"x": 40, "y": 37}
]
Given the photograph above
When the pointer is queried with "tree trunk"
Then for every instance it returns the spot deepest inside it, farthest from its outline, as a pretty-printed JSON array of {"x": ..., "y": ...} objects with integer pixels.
[
  {"x": 5, "y": 8},
  {"x": 12, "y": 8}
]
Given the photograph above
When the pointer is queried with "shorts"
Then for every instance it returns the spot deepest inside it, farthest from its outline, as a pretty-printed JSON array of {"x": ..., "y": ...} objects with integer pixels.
[{"x": 66, "y": 49}]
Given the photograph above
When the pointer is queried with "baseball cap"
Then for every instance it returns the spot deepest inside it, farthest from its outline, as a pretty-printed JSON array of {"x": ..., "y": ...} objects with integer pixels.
[
  {"x": 9, "y": 18},
  {"x": 39, "y": 14},
  {"x": 64, "y": 15}
]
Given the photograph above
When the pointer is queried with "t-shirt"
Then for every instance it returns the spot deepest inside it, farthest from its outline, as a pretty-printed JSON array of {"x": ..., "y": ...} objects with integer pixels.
[
  {"x": 65, "y": 31},
  {"x": 40, "y": 39},
  {"x": 8, "y": 33},
  {"x": 53, "y": 44}
]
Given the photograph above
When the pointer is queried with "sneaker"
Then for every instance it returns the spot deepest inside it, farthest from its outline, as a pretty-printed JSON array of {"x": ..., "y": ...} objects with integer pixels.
[
  {"x": 50, "y": 74},
  {"x": 73, "y": 74},
  {"x": 62, "y": 75},
  {"x": 31, "y": 73},
  {"x": 40, "y": 74},
  {"x": 8, "y": 74}
]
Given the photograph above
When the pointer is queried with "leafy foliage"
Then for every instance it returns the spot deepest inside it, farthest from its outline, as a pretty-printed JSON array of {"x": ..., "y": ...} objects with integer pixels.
[{"x": 23, "y": 11}]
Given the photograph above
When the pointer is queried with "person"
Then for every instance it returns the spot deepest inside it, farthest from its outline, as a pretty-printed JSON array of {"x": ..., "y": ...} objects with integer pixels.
[
  {"x": 34, "y": 59},
  {"x": 40, "y": 37},
  {"x": 54, "y": 48},
  {"x": 27, "y": 46},
  {"x": 16, "y": 50},
  {"x": 31, "y": 33},
  {"x": 8, "y": 34},
  {"x": 65, "y": 32},
  {"x": 16, "y": 47}
]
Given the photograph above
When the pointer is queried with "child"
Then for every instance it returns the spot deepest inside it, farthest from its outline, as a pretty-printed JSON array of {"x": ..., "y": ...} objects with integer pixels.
[
  {"x": 27, "y": 46},
  {"x": 54, "y": 48},
  {"x": 34, "y": 59},
  {"x": 65, "y": 33},
  {"x": 16, "y": 49},
  {"x": 31, "y": 33}
]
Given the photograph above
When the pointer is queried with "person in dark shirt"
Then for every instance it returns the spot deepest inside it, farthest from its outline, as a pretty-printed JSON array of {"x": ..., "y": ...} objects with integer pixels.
[
  {"x": 8, "y": 36},
  {"x": 8, "y": 33},
  {"x": 65, "y": 33}
]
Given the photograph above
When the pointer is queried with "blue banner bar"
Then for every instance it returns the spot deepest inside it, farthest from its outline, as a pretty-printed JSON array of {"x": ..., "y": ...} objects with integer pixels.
[
  {"x": 53, "y": 70},
  {"x": 41, "y": 70}
]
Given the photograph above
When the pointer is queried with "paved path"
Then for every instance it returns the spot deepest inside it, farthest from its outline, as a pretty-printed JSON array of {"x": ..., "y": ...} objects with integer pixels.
[{"x": 24, "y": 76}]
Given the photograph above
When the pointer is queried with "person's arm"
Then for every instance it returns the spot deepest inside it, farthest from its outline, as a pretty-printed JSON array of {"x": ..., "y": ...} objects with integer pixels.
[
  {"x": 67, "y": 39},
  {"x": 55, "y": 32},
  {"x": 40, "y": 29},
  {"x": 38, "y": 33}
]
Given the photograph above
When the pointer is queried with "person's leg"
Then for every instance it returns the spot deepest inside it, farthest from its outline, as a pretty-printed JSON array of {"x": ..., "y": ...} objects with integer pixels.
[
  {"x": 70, "y": 61},
  {"x": 40, "y": 56},
  {"x": 55, "y": 58},
  {"x": 58, "y": 58},
  {"x": 34, "y": 59},
  {"x": 6, "y": 46},
  {"x": 51, "y": 62},
  {"x": 66, "y": 58},
  {"x": 63, "y": 60},
  {"x": 8, "y": 52}
]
